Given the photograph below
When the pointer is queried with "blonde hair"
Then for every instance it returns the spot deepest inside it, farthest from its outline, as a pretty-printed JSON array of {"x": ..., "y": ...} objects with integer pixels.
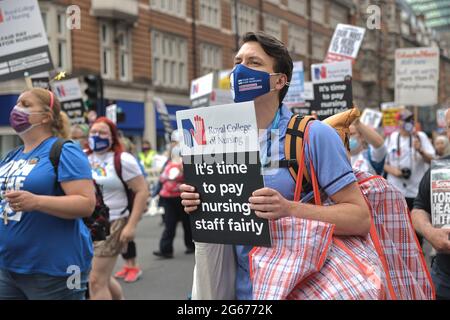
[{"x": 60, "y": 124}]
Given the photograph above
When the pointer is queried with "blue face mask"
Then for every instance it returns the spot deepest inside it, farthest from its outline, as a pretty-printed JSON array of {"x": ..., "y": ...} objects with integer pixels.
[
  {"x": 248, "y": 84},
  {"x": 353, "y": 143},
  {"x": 98, "y": 144},
  {"x": 408, "y": 127}
]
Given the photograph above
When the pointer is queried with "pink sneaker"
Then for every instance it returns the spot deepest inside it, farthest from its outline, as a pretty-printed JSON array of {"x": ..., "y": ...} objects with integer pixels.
[
  {"x": 121, "y": 274},
  {"x": 133, "y": 274}
]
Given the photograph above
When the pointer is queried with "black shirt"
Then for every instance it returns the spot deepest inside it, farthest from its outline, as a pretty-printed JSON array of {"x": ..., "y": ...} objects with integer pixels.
[{"x": 423, "y": 201}]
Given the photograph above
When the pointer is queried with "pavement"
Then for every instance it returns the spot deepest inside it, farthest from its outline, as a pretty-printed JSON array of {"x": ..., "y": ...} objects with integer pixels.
[{"x": 162, "y": 279}]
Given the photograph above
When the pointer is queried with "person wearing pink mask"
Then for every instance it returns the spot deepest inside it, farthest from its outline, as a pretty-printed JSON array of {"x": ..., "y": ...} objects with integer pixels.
[{"x": 43, "y": 240}]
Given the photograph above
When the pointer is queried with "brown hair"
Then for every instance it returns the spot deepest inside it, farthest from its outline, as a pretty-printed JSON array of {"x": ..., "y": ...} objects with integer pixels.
[
  {"x": 277, "y": 50},
  {"x": 60, "y": 121}
]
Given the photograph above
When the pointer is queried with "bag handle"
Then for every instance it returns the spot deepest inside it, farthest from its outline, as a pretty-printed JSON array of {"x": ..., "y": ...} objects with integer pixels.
[{"x": 302, "y": 169}]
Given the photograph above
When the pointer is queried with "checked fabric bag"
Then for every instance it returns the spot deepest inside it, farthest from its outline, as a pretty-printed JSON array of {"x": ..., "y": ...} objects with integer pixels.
[
  {"x": 404, "y": 258},
  {"x": 308, "y": 262}
]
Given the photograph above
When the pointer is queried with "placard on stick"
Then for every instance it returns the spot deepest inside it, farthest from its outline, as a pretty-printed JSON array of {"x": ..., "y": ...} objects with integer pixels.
[{"x": 221, "y": 160}]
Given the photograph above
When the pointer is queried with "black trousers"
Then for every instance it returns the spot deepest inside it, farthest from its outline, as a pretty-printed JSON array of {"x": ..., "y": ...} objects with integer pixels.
[
  {"x": 410, "y": 202},
  {"x": 174, "y": 212}
]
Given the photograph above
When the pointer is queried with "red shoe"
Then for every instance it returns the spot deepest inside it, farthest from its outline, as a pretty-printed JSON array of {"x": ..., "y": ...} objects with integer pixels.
[
  {"x": 121, "y": 274},
  {"x": 133, "y": 274}
]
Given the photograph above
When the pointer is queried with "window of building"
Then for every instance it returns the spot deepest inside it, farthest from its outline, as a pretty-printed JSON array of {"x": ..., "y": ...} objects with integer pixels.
[
  {"x": 124, "y": 37},
  {"x": 272, "y": 26},
  {"x": 247, "y": 18},
  {"x": 210, "y": 13},
  {"x": 169, "y": 60},
  {"x": 319, "y": 46},
  {"x": 211, "y": 59},
  {"x": 298, "y": 40},
  {"x": 298, "y": 7},
  {"x": 54, "y": 20},
  {"x": 338, "y": 14},
  {"x": 107, "y": 50},
  {"x": 172, "y": 7},
  {"x": 318, "y": 11}
]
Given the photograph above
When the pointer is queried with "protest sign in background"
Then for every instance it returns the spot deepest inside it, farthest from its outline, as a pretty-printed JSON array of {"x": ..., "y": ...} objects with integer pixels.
[
  {"x": 440, "y": 193},
  {"x": 389, "y": 122},
  {"x": 345, "y": 43},
  {"x": 331, "y": 72},
  {"x": 201, "y": 89},
  {"x": 331, "y": 98},
  {"x": 221, "y": 160},
  {"x": 24, "y": 47},
  {"x": 371, "y": 118},
  {"x": 416, "y": 76},
  {"x": 69, "y": 94}
]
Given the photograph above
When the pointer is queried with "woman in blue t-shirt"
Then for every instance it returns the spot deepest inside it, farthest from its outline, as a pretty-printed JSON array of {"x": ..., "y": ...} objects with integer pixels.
[{"x": 45, "y": 248}]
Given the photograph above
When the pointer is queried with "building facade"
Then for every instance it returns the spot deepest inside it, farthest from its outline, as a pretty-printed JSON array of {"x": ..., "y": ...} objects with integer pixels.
[{"x": 154, "y": 48}]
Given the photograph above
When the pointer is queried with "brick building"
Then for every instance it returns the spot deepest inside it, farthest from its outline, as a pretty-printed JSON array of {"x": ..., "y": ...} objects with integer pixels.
[{"x": 148, "y": 48}]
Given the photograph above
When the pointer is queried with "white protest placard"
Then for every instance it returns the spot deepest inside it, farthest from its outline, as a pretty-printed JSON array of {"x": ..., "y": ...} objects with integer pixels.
[
  {"x": 371, "y": 118},
  {"x": 331, "y": 72},
  {"x": 69, "y": 94},
  {"x": 345, "y": 43},
  {"x": 111, "y": 112},
  {"x": 440, "y": 118},
  {"x": 201, "y": 89},
  {"x": 416, "y": 76},
  {"x": 221, "y": 160},
  {"x": 294, "y": 96},
  {"x": 23, "y": 41},
  {"x": 308, "y": 90}
]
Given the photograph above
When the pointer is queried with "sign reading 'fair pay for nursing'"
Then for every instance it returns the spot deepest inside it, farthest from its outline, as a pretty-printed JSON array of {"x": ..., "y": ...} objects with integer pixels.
[{"x": 221, "y": 160}]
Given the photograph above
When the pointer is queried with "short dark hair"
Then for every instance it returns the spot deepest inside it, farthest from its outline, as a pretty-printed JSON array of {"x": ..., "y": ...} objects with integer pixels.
[{"x": 277, "y": 50}]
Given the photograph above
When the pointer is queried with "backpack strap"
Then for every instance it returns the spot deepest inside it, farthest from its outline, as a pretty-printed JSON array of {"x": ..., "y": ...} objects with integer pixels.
[
  {"x": 118, "y": 168},
  {"x": 293, "y": 148},
  {"x": 55, "y": 155}
]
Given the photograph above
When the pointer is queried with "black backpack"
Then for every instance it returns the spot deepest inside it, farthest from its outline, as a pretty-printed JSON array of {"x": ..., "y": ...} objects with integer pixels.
[{"x": 98, "y": 223}]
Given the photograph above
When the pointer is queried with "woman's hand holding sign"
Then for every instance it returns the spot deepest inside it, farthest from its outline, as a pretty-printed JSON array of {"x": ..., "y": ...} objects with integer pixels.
[
  {"x": 269, "y": 204},
  {"x": 190, "y": 199}
]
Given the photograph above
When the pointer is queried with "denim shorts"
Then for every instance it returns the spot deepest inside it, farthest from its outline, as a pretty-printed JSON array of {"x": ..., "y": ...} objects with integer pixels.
[
  {"x": 441, "y": 281},
  {"x": 15, "y": 286}
]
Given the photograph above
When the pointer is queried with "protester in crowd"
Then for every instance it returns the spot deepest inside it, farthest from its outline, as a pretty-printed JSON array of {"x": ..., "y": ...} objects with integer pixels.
[
  {"x": 169, "y": 197},
  {"x": 105, "y": 155},
  {"x": 79, "y": 134},
  {"x": 265, "y": 58},
  {"x": 367, "y": 148},
  {"x": 130, "y": 271},
  {"x": 409, "y": 155},
  {"x": 42, "y": 235},
  {"x": 147, "y": 154},
  {"x": 439, "y": 238},
  {"x": 442, "y": 146}
]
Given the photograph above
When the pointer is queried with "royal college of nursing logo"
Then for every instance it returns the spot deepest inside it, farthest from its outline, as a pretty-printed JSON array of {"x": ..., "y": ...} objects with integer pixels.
[
  {"x": 320, "y": 73},
  {"x": 194, "y": 132}
]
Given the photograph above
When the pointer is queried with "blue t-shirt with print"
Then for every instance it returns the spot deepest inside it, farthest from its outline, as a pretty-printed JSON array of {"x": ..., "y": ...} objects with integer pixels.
[
  {"x": 333, "y": 169},
  {"x": 36, "y": 242}
]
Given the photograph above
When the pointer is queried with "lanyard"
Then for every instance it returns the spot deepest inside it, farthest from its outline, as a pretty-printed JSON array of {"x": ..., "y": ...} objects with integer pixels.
[{"x": 275, "y": 123}]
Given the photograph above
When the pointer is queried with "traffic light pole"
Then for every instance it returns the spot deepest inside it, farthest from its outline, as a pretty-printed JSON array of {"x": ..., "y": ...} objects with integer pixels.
[{"x": 101, "y": 112}]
